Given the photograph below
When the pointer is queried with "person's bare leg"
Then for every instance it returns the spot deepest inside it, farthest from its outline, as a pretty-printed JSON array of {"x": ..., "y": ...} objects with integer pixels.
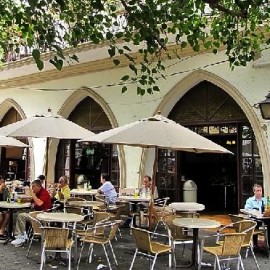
[{"x": 5, "y": 222}]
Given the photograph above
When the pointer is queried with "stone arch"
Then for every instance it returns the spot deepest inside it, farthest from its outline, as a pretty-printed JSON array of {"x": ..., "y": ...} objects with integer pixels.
[
  {"x": 5, "y": 106},
  {"x": 191, "y": 80},
  {"x": 67, "y": 107},
  {"x": 9, "y": 103}
]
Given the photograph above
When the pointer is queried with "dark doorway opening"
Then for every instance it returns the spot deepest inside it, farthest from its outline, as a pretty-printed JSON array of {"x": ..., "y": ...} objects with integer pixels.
[{"x": 215, "y": 175}]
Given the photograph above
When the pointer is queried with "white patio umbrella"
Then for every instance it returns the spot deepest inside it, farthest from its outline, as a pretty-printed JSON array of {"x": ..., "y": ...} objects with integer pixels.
[
  {"x": 45, "y": 126},
  {"x": 11, "y": 142},
  {"x": 157, "y": 132}
]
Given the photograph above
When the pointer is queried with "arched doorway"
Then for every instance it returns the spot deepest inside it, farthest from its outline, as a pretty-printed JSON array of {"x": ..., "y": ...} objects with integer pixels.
[
  {"x": 88, "y": 159},
  {"x": 14, "y": 160},
  {"x": 224, "y": 181}
]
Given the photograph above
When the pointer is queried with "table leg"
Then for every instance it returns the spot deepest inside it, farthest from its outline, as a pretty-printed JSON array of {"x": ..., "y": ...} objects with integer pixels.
[{"x": 194, "y": 253}]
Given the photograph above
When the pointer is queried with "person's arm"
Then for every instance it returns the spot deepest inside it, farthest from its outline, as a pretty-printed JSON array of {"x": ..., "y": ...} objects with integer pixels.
[
  {"x": 38, "y": 201},
  {"x": 66, "y": 193},
  {"x": 248, "y": 205}
]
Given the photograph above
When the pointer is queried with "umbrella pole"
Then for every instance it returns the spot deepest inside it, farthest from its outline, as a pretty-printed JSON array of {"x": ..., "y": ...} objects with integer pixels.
[
  {"x": 153, "y": 188},
  {"x": 46, "y": 161}
]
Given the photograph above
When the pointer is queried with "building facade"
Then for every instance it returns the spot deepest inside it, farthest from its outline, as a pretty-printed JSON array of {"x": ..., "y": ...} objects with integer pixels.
[{"x": 200, "y": 91}]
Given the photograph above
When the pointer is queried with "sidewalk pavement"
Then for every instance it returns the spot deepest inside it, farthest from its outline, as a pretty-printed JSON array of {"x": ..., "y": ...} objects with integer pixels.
[{"x": 12, "y": 258}]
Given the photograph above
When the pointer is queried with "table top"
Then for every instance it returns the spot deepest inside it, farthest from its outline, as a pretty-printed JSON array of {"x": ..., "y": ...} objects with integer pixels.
[
  {"x": 196, "y": 223},
  {"x": 85, "y": 203},
  {"x": 60, "y": 217},
  {"x": 254, "y": 213},
  {"x": 14, "y": 205},
  {"x": 133, "y": 199},
  {"x": 83, "y": 192},
  {"x": 187, "y": 206}
]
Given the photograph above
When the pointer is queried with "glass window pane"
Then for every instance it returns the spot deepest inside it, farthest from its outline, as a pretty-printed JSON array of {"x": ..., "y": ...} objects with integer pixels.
[
  {"x": 246, "y": 132},
  {"x": 258, "y": 167},
  {"x": 246, "y": 148},
  {"x": 213, "y": 129},
  {"x": 224, "y": 129},
  {"x": 247, "y": 166}
]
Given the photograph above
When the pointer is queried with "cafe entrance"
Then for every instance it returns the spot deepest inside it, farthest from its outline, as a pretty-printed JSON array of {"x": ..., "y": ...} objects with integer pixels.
[
  {"x": 224, "y": 181},
  {"x": 85, "y": 161}
]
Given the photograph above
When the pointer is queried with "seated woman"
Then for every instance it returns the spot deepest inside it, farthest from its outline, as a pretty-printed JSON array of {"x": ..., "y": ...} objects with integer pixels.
[{"x": 4, "y": 214}]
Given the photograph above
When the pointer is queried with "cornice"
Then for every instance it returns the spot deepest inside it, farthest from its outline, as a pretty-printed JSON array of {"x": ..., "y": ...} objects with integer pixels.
[{"x": 80, "y": 68}]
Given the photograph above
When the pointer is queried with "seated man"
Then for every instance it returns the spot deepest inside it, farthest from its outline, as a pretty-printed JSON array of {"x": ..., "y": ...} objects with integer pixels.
[
  {"x": 41, "y": 201},
  {"x": 61, "y": 190},
  {"x": 146, "y": 188},
  {"x": 107, "y": 189},
  {"x": 4, "y": 214},
  {"x": 256, "y": 202}
]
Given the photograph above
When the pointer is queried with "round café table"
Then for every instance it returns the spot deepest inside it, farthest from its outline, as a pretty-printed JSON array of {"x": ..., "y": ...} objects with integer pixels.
[
  {"x": 134, "y": 199},
  {"x": 86, "y": 204},
  {"x": 11, "y": 206},
  {"x": 187, "y": 206},
  {"x": 196, "y": 224},
  {"x": 82, "y": 192}
]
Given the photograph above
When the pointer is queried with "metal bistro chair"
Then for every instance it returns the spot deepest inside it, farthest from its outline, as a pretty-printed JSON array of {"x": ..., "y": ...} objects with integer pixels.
[
  {"x": 177, "y": 235},
  {"x": 56, "y": 240},
  {"x": 247, "y": 227},
  {"x": 227, "y": 250},
  {"x": 262, "y": 230},
  {"x": 36, "y": 231},
  {"x": 109, "y": 231},
  {"x": 146, "y": 247}
]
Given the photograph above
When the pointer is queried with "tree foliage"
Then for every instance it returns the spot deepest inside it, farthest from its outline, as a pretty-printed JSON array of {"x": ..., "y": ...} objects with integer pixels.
[{"x": 240, "y": 27}]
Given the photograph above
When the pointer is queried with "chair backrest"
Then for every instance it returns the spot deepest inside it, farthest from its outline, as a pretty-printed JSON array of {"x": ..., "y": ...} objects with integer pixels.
[
  {"x": 235, "y": 220},
  {"x": 161, "y": 202},
  {"x": 175, "y": 232},
  {"x": 35, "y": 223},
  {"x": 232, "y": 244},
  {"x": 99, "y": 218},
  {"x": 142, "y": 240},
  {"x": 100, "y": 198},
  {"x": 114, "y": 229},
  {"x": 55, "y": 237},
  {"x": 74, "y": 210},
  {"x": 247, "y": 227},
  {"x": 119, "y": 211}
]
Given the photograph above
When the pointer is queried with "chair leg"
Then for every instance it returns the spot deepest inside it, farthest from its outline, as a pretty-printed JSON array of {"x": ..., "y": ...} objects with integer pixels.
[
  {"x": 133, "y": 260},
  {"x": 78, "y": 263},
  {"x": 107, "y": 257},
  {"x": 69, "y": 259},
  {"x": 30, "y": 244},
  {"x": 42, "y": 259},
  {"x": 113, "y": 253},
  {"x": 241, "y": 262},
  {"x": 154, "y": 261},
  {"x": 255, "y": 259},
  {"x": 90, "y": 253},
  {"x": 218, "y": 263}
]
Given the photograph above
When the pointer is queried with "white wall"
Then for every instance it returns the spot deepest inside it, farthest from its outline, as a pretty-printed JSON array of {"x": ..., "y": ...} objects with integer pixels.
[{"x": 249, "y": 85}]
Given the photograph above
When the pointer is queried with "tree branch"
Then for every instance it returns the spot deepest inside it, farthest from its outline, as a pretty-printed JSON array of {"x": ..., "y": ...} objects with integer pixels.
[{"x": 215, "y": 4}]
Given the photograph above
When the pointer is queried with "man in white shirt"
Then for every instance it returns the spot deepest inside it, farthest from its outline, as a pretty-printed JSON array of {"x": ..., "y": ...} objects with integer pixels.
[{"x": 107, "y": 189}]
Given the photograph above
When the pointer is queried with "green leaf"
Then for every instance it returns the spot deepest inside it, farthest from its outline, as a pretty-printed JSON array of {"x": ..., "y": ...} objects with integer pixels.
[
  {"x": 125, "y": 78},
  {"x": 40, "y": 64},
  {"x": 116, "y": 62},
  {"x": 124, "y": 89},
  {"x": 36, "y": 54}
]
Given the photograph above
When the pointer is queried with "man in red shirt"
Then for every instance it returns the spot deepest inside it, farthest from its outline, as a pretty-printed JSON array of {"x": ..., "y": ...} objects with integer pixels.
[{"x": 41, "y": 201}]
